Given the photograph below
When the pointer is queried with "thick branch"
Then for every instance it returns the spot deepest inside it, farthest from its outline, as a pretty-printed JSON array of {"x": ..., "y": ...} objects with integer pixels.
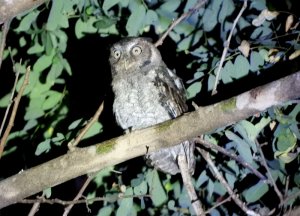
[
  {"x": 11, "y": 8},
  {"x": 123, "y": 148}
]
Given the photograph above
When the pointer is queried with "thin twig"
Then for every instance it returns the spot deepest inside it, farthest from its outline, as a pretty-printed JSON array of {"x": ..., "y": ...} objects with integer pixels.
[
  {"x": 5, "y": 29},
  {"x": 79, "y": 195},
  {"x": 74, "y": 143},
  {"x": 80, "y": 201},
  {"x": 17, "y": 73},
  {"x": 222, "y": 180},
  {"x": 264, "y": 162},
  {"x": 34, "y": 209},
  {"x": 231, "y": 155},
  {"x": 14, "y": 111},
  {"x": 218, "y": 204},
  {"x": 187, "y": 181},
  {"x": 226, "y": 47},
  {"x": 199, "y": 4}
]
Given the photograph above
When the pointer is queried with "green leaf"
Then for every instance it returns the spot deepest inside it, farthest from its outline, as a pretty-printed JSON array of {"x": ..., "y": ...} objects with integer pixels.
[
  {"x": 141, "y": 189},
  {"x": 75, "y": 124},
  {"x": 108, "y": 4},
  {"x": 193, "y": 89},
  {"x": 52, "y": 99},
  {"x": 55, "y": 72},
  {"x": 255, "y": 192},
  {"x": 36, "y": 48},
  {"x": 170, "y": 5},
  {"x": 159, "y": 195},
  {"x": 34, "y": 113},
  {"x": 241, "y": 67},
  {"x": 43, "y": 147},
  {"x": 105, "y": 211},
  {"x": 256, "y": 60},
  {"x": 95, "y": 129},
  {"x": 82, "y": 27},
  {"x": 27, "y": 21},
  {"x": 47, "y": 192},
  {"x": 5, "y": 100},
  {"x": 226, "y": 9},
  {"x": 42, "y": 63},
  {"x": 209, "y": 19},
  {"x": 22, "y": 42},
  {"x": 226, "y": 72},
  {"x": 151, "y": 18},
  {"x": 56, "y": 17},
  {"x": 136, "y": 20},
  {"x": 126, "y": 204},
  {"x": 211, "y": 82},
  {"x": 105, "y": 22},
  {"x": 242, "y": 147}
]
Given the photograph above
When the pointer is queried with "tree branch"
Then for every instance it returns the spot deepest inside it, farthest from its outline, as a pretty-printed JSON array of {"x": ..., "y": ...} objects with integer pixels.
[
  {"x": 225, "y": 50},
  {"x": 222, "y": 180},
  {"x": 10, "y": 9},
  {"x": 5, "y": 29},
  {"x": 14, "y": 111},
  {"x": 123, "y": 148},
  {"x": 198, "y": 5}
]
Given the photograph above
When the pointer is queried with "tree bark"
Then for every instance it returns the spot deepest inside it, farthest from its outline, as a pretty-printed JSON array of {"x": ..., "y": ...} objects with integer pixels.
[
  {"x": 11, "y": 8},
  {"x": 123, "y": 148}
]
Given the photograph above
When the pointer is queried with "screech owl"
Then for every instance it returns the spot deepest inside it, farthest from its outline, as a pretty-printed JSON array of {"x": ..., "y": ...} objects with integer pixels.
[{"x": 148, "y": 93}]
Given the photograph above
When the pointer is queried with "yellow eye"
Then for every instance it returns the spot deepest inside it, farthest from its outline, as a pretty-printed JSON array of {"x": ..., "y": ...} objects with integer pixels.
[
  {"x": 117, "y": 54},
  {"x": 136, "y": 50}
]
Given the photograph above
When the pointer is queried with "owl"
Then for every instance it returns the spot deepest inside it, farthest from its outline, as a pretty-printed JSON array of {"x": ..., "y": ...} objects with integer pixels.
[{"x": 147, "y": 93}]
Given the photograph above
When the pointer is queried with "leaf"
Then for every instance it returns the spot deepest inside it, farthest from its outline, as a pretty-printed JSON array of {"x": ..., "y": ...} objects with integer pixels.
[
  {"x": 75, "y": 124},
  {"x": 27, "y": 21},
  {"x": 242, "y": 147},
  {"x": 141, "y": 189},
  {"x": 256, "y": 60},
  {"x": 193, "y": 90},
  {"x": 244, "y": 48},
  {"x": 95, "y": 129},
  {"x": 43, "y": 147},
  {"x": 52, "y": 100},
  {"x": 211, "y": 82},
  {"x": 170, "y": 5},
  {"x": 241, "y": 67},
  {"x": 209, "y": 19},
  {"x": 264, "y": 15},
  {"x": 226, "y": 9},
  {"x": 226, "y": 72},
  {"x": 34, "y": 113},
  {"x": 255, "y": 192},
  {"x": 126, "y": 205},
  {"x": 288, "y": 23},
  {"x": 47, "y": 192},
  {"x": 108, "y": 4},
  {"x": 42, "y": 63},
  {"x": 158, "y": 193},
  {"x": 135, "y": 20},
  {"x": 82, "y": 27},
  {"x": 295, "y": 54},
  {"x": 56, "y": 16},
  {"x": 105, "y": 211},
  {"x": 36, "y": 48},
  {"x": 151, "y": 18},
  {"x": 104, "y": 22},
  {"x": 5, "y": 100}
]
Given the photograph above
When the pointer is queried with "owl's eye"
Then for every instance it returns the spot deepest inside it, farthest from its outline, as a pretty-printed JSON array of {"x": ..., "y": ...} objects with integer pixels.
[
  {"x": 136, "y": 50},
  {"x": 116, "y": 54}
]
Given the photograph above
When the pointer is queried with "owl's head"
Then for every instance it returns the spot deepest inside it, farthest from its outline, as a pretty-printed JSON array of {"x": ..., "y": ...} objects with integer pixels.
[{"x": 133, "y": 55}]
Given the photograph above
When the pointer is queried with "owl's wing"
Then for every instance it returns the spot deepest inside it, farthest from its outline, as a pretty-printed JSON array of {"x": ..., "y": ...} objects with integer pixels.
[{"x": 171, "y": 88}]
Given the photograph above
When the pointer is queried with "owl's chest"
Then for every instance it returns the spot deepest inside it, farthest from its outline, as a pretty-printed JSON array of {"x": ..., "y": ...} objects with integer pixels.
[{"x": 137, "y": 102}]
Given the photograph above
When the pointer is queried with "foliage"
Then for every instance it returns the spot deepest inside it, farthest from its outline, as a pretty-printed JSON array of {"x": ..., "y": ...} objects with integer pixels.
[{"x": 44, "y": 36}]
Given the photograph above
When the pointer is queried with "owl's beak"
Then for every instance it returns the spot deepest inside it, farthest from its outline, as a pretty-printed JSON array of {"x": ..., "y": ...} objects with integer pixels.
[{"x": 126, "y": 64}]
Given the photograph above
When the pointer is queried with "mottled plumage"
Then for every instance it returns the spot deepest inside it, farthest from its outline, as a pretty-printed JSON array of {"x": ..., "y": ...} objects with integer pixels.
[{"x": 148, "y": 93}]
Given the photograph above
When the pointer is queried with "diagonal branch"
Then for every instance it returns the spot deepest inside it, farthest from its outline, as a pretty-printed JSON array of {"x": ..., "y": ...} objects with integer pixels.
[
  {"x": 225, "y": 50},
  {"x": 198, "y": 5},
  {"x": 120, "y": 149},
  {"x": 14, "y": 111}
]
